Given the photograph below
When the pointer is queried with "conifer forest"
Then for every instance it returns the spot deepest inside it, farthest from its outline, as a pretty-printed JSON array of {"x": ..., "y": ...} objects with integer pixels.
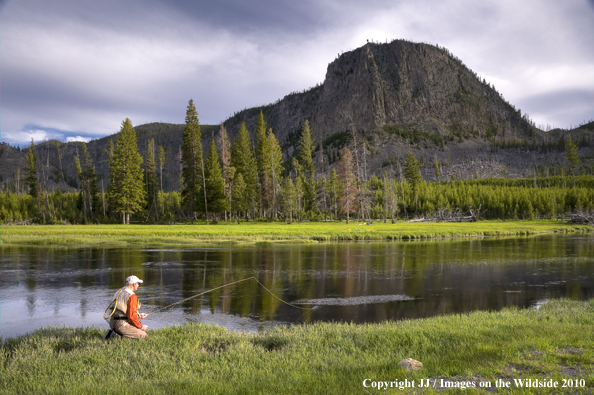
[{"x": 249, "y": 180}]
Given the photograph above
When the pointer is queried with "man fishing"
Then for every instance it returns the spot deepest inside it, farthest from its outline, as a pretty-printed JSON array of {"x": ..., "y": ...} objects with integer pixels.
[{"x": 125, "y": 318}]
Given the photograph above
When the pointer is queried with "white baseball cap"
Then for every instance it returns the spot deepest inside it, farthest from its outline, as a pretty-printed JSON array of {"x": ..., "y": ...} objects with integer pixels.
[{"x": 133, "y": 280}]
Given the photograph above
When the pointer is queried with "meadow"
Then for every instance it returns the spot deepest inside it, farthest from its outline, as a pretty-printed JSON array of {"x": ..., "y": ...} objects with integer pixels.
[
  {"x": 249, "y": 232},
  {"x": 550, "y": 344}
]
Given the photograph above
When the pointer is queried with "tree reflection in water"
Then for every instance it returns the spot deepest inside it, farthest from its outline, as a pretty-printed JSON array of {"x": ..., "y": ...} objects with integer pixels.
[{"x": 366, "y": 282}]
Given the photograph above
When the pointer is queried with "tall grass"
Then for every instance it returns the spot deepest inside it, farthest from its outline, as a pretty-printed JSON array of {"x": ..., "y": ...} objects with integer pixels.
[
  {"x": 554, "y": 342},
  {"x": 257, "y": 232}
]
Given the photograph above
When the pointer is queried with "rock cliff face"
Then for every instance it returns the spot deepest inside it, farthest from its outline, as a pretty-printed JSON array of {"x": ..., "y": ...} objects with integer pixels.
[{"x": 413, "y": 87}]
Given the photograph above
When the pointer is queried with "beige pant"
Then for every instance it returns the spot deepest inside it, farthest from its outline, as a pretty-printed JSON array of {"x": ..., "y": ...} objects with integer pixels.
[{"x": 127, "y": 330}]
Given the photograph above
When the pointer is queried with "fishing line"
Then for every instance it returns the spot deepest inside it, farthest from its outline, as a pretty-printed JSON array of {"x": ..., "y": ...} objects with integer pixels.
[{"x": 226, "y": 285}]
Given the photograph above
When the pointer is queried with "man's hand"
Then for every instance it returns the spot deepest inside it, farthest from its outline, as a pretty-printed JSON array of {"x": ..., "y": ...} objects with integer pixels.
[
  {"x": 144, "y": 327},
  {"x": 142, "y": 315}
]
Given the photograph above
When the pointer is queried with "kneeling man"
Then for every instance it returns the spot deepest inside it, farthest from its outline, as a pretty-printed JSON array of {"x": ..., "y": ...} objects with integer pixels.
[{"x": 126, "y": 318}]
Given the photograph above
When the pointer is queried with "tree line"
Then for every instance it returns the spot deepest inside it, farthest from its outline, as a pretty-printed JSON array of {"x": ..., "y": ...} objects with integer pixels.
[{"x": 247, "y": 180}]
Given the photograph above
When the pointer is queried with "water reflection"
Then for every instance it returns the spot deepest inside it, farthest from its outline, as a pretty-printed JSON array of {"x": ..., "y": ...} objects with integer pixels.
[{"x": 352, "y": 282}]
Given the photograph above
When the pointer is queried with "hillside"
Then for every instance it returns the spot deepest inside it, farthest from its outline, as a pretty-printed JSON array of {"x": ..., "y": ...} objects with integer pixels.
[
  {"x": 395, "y": 97},
  {"x": 56, "y": 159}
]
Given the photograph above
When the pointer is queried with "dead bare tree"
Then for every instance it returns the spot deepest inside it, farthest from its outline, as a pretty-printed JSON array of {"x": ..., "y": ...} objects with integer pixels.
[
  {"x": 451, "y": 215},
  {"x": 581, "y": 217}
]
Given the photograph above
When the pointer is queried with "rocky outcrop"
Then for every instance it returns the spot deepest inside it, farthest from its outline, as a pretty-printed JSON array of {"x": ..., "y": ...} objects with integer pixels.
[
  {"x": 412, "y": 87},
  {"x": 410, "y": 364}
]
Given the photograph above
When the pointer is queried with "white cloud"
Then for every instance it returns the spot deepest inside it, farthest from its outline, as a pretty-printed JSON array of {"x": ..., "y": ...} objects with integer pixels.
[
  {"x": 540, "y": 79},
  {"x": 25, "y": 136},
  {"x": 78, "y": 138}
]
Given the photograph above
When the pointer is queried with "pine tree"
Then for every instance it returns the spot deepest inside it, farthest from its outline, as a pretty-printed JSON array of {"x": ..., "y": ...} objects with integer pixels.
[
  {"x": 305, "y": 159},
  {"x": 288, "y": 202},
  {"x": 321, "y": 195},
  {"x": 347, "y": 178},
  {"x": 88, "y": 178},
  {"x": 412, "y": 172},
  {"x": 18, "y": 181},
  {"x": 305, "y": 153},
  {"x": 215, "y": 184},
  {"x": 60, "y": 154},
  {"x": 573, "y": 160},
  {"x": 225, "y": 157},
  {"x": 242, "y": 159},
  {"x": 299, "y": 181},
  {"x": 110, "y": 149},
  {"x": 151, "y": 179},
  {"x": 126, "y": 192},
  {"x": 334, "y": 188},
  {"x": 402, "y": 189},
  {"x": 161, "y": 162},
  {"x": 356, "y": 162},
  {"x": 181, "y": 171},
  {"x": 31, "y": 179},
  {"x": 389, "y": 198},
  {"x": 321, "y": 184},
  {"x": 238, "y": 197},
  {"x": 191, "y": 157},
  {"x": 262, "y": 163},
  {"x": 275, "y": 166}
]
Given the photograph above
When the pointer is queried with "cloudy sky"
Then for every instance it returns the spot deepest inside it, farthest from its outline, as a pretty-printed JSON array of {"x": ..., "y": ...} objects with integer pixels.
[{"x": 74, "y": 69}]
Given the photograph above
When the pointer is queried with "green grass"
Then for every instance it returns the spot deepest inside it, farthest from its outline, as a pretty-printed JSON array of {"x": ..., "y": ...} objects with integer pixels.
[
  {"x": 554, "y": 342},
  {"x": 200, "y": 234}
]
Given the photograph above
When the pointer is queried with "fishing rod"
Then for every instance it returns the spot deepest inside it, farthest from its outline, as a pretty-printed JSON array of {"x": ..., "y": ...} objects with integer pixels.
[{"x": 226, "y": 285}]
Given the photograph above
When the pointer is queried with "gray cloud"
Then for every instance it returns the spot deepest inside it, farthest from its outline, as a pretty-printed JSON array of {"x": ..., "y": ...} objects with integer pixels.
[
  {"x": 78, "y": 68},
  {"x": 284, "y": 17},
  {"x": 557, "y": 103}
]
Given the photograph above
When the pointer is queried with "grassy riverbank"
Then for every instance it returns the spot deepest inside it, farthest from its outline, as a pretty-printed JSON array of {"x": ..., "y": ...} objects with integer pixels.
[
  {"x": 552, "y": 343},
  {"x": 257, "y": 232}
]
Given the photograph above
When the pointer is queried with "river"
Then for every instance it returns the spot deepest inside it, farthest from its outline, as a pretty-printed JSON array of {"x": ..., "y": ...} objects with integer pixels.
[{"x": 346, "y": 282}]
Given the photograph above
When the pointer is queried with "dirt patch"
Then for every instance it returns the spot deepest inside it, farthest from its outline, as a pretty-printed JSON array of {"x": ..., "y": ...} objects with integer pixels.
[
  {"x": 571, "y": 371},
  {"x": 213, "y": 347},
  {"x": 532, "y": 353},
  {"x": 571, "y": 351},
  {"x": 270, "y": 345},
  {"x": 513, "y": 369}
]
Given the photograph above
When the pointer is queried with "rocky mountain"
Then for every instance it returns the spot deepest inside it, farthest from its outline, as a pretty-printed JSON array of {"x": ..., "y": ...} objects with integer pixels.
[
  {"x": 391, "y": 98},
  {"x": 414, "y": 87},
  {"x": 403, "y": 96}
]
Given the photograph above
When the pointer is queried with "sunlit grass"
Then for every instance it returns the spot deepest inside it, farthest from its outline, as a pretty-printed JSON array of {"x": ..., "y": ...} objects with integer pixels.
[
  {"x": 250, "y": 232},
  {"x": 554, "y": 342}
]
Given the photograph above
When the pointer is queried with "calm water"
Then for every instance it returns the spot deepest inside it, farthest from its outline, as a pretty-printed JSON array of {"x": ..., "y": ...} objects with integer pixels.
[{"x": 351, "y": 282}]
